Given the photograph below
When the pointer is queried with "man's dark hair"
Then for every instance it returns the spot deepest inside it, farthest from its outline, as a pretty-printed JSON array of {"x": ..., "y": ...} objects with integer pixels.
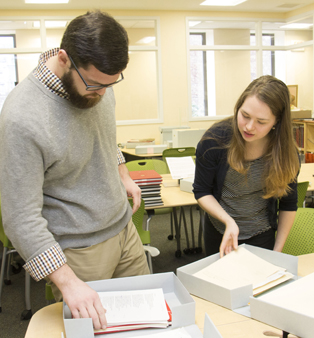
[{"x": 97, "y": 39}]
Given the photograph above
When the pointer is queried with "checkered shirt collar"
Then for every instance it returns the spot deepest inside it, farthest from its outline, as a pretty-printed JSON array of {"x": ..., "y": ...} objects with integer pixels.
[{"x": 47, "y": 77}]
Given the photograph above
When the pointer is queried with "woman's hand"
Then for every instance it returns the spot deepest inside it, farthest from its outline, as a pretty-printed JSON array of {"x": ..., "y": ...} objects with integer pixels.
[{"x": 230, "y": 238}]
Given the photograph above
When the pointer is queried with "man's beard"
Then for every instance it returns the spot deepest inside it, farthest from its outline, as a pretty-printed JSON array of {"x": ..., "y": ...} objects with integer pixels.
[{"x": 79, "y": 101}]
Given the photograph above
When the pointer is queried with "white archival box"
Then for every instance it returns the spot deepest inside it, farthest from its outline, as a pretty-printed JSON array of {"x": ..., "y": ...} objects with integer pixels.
[
  {"x": 166, "y": 133},
  {"x": 186, "y": 137},
  {"x": 150, "y": 149},
  {"x": 236, "y": 299},
  {"x": 289, "y": 308},
  {"x": 133, "y": 145},
  {"x": 186, "y": 184},
  {"x": 178, "y": 298}
]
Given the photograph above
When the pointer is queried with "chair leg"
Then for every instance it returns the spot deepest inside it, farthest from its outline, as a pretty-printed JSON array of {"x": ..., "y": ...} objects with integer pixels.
[
  {"x": 150, "y": 214},
  {"x": 200, "y": 231},
  {"x": 149, "y": 261},
  {"x": 170, "y": 237},
  {"x": 187, "y": 251},
  {"x": 7, "y": 280},
  {"x": 4, "y": 257},
  {"x": 177, "y": 232},
  {"x": 27, "y": 313}
]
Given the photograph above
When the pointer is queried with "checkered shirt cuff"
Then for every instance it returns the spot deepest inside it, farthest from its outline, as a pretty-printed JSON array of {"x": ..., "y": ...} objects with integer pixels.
[
  {"x": 46, "y": 263},
  {"x": 120, "y": 156}
]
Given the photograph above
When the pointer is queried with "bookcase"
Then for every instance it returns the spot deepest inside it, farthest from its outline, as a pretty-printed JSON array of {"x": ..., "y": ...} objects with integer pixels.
[{"x": 303, "y": 131}]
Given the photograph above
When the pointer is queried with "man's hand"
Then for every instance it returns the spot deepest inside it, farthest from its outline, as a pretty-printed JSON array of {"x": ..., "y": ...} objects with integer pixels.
[
  {"x": 230, "y": 239},
  {"x": 131, "y": 187},
  {"x": 81, "y": 299}
]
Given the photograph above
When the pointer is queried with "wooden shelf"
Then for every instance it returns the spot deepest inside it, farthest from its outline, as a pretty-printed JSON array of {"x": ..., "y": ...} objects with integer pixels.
[{"x": 304, "y": 134}]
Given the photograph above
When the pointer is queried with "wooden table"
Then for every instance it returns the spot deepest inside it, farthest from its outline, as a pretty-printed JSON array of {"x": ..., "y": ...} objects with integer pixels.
[
  {"x": 174, "y": 197},
  {"x": 48, "y": 321}
]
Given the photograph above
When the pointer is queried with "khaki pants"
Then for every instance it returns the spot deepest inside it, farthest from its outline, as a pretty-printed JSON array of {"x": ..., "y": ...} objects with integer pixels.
[{"x": 120, "y": 256}]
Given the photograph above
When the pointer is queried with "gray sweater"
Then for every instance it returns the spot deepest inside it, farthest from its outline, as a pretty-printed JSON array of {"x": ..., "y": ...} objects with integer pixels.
[{"x": 59, "y": 175}]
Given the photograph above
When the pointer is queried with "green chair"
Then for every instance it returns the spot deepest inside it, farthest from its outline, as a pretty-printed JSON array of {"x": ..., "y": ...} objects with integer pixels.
[
  {"x": 148, "y": 164},
  {"x": 302, "y": 190},
  {"x": 137, "y": 219},
  {"x": 161, "y": 168},
  {"x": 300, "y": 240},
  {"x": 178, "y": 152},
  {"x": 8, "y": 250},
  {"x": 48, "y": 294}
]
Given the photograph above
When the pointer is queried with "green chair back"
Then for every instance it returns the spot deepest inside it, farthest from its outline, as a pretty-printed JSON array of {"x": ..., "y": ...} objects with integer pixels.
[
  {"x": 137, "y": 219},
  {"x": 302, "y": 189},
  {"x": 48, "y": 293},
  {"x": 3, "y": 238},
  {"x": 148, "y": 164},
  {"x": 300, "y": 240},
  {"x": 178, "y": 152}
]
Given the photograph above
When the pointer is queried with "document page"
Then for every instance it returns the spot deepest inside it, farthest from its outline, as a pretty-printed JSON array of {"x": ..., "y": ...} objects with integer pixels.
[
  {"x": 181, "y": 167},
  {"x": 135, "y": 307},
  {"x": 240, "y": 268}
]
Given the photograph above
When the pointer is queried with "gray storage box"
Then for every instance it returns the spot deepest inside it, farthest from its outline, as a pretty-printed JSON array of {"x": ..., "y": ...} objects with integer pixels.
[
  {"x": 166, "y": 133},
  {"x": 182, "y": 138},
  {"x": 286, "y": 307},
  {"x": 177, "y": 297},
  {"x": 133, "y": 145},
  {"x": 186, "y": 184},
  {"x": 238, "y": 297}
]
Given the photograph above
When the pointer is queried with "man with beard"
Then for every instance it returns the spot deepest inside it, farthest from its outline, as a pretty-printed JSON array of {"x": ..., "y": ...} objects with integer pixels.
[{"x": 63, "y": 192}]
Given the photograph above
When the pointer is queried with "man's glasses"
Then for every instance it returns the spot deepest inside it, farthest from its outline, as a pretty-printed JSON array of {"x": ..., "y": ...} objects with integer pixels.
[{"x": 97, "y": 87}]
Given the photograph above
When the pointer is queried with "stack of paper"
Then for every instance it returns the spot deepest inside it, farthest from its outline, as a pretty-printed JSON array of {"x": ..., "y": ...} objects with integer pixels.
[
  {"x": 181, "y": 167},
  {"x": 240, "y": 268},
  {"x": 150, "y": 183},
  {"x": 134, "y": 310}
]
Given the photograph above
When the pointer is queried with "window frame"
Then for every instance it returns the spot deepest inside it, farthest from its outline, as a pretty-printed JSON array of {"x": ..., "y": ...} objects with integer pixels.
[
  {"x": 43, "y": 48},
  {"x": 258, "y": 48}
]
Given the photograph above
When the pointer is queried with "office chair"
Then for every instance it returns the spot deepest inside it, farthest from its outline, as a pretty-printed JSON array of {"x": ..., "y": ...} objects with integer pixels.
[
  {"x": 137, "y": 219},
  {"x": 181, "y": 152},
  {"x": 302, "y": 190},
  {"x": 178, "y": 152},
  {"x": 48, "y": 294},
  {"x": 300, "y": 240},
  {"x": 161, "y": 168},
  {"x": 8, "y": 250}
]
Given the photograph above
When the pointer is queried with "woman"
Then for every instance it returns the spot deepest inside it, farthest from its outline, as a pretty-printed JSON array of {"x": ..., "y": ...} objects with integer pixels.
[{"x": 244, "y": 165}]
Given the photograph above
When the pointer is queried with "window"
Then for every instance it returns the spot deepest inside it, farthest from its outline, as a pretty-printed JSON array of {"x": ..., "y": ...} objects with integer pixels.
[
  {"x": 268, "y": 56},
  {"x": 139, "y": 97},
  {"x": 225, "y": 55},
  {"x": 8, "y": 69},
  {"x": 198, "y": 76}
]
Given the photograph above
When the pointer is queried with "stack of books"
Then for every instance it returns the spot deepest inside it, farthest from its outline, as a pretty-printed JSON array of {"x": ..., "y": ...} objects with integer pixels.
[{"x": 149, "y": 182}]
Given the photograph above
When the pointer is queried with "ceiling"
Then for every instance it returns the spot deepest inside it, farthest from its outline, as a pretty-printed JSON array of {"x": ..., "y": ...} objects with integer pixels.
[{"x": 280, "y": 6}]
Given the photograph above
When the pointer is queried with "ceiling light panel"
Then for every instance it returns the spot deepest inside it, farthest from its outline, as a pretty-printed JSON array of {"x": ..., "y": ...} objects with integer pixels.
[
  {"x": 222, "y": 2},
  {"x": 46, "y": 1}
]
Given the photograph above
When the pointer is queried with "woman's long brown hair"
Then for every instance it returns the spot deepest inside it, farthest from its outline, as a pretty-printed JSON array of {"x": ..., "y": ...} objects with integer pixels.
[{"x": 281, "y": 158}]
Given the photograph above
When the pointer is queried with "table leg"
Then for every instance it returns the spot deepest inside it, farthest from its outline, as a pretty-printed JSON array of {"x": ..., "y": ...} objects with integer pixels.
[{"x": 177, "y": 231}]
